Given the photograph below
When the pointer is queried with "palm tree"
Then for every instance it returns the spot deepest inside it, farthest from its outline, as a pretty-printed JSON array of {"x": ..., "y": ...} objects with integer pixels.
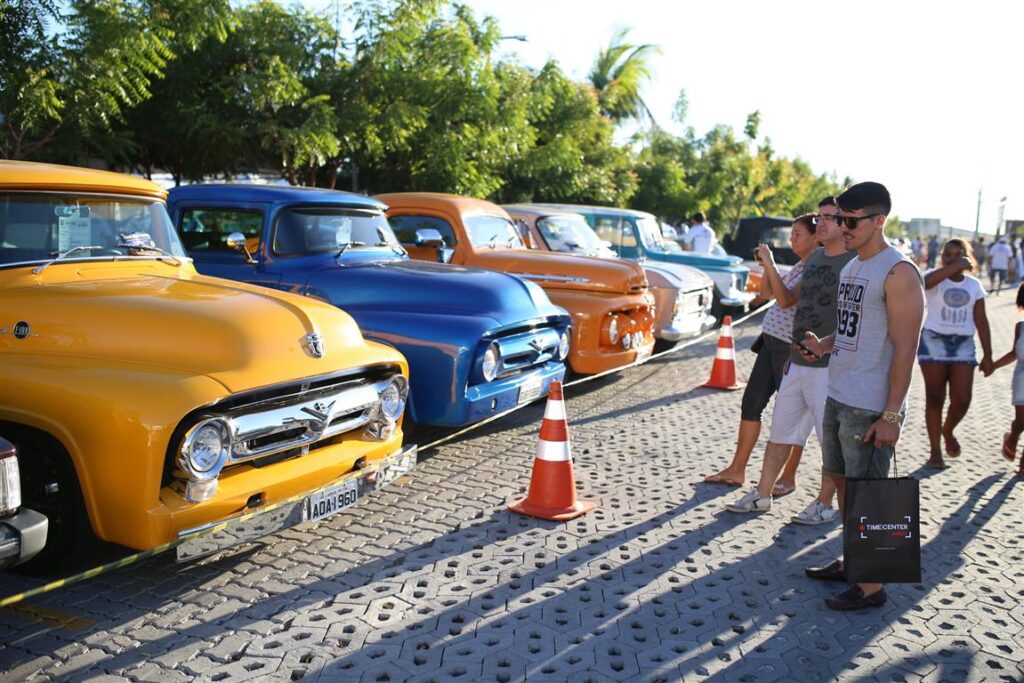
[{"x": 617, "y": 75}]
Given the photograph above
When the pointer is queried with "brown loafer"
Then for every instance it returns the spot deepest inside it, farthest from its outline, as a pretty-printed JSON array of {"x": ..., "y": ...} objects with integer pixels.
[
  {"x": 854, "y": 598},
  {"x": 833, "y": 571}
]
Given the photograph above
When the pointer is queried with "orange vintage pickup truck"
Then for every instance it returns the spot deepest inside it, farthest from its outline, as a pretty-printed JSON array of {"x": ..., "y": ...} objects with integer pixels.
[
  {"x": 612, "y": 310},
  {"x": 149, "y": 404}
]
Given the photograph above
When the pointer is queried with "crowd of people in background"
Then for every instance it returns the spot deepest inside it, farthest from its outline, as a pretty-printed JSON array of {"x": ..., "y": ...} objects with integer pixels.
[{"x": 1002, "y": 259}]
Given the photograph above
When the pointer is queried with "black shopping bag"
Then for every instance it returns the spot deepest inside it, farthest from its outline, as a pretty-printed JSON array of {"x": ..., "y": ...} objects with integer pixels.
[{"x": 881, "y": 539}]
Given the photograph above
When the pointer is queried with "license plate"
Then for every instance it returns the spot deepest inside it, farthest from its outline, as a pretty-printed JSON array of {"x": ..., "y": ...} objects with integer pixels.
[
  {"x": 530, "y": 389},
  {"x": 325, "y": 503}
]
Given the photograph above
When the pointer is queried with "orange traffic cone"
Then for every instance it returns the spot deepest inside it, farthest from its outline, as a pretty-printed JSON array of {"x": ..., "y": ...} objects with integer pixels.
[
  {"x": 552, "y": 493},
  {"x": 723, "y": 371}
]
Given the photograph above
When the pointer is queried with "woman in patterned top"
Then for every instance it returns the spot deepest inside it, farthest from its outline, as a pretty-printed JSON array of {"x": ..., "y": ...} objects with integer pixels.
[{"x": 772, "y": 349}]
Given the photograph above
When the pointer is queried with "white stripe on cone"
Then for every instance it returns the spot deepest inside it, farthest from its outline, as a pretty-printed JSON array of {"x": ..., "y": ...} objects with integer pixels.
[
  {"x": 725, "y": 354},
  {"x": 554, "y": 410},
  {"x": 553, "y": 451},
  {"x": 727, "y": 331}
]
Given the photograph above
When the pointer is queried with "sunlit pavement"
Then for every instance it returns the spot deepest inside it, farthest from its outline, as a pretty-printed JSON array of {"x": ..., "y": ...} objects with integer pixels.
[{"x": 435, "y": 580}]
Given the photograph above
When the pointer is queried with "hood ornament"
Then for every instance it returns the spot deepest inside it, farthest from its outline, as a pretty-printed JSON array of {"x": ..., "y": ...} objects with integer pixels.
[
  {"x": 315, "y": 344},
  {"x": 537, "y": 345}
]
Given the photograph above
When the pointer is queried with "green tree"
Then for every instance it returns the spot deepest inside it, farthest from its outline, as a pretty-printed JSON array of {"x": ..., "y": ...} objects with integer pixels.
[
  {"x": 262, "y": 94},
  {"x": 619, "y": 72},
  {"x": 424, "y": 106},
  {"x": 69, "y": 75},
  {"x": 572, "y": 156}
]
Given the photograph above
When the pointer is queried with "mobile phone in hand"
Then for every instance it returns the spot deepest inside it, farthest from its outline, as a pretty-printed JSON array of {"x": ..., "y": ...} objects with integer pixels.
[{"x": 803, "y": 347}]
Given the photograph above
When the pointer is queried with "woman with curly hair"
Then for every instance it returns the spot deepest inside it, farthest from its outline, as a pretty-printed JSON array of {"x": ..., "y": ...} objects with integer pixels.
[{"x": 955, "y": 310}]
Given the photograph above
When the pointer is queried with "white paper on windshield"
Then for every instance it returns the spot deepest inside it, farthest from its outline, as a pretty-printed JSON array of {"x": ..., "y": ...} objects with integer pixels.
[{"x": 73, "y": 231}]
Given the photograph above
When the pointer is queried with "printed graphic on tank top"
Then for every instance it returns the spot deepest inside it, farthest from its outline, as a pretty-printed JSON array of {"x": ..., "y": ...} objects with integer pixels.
[{"x": 850, "y": 312}]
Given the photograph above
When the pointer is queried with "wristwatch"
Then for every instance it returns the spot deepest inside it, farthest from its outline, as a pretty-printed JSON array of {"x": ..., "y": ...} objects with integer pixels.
[{"x": 892, "y": 417}]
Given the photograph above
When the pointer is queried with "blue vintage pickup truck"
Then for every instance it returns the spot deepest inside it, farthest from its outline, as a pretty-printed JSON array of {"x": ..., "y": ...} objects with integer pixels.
[{"x": 477, "y": 342}]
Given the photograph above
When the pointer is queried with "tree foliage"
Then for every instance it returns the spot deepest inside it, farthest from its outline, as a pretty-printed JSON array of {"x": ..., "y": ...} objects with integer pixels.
[
  {"x": 75, "y": 69},
  {"x": 412, "y": 97},
  {"x": 618, "y": 74}
]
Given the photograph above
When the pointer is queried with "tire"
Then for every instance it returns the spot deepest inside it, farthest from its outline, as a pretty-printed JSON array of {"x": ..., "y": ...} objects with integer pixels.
[
  {"x": 49, "y": 485},
  {"x": 716, "y": 307}
]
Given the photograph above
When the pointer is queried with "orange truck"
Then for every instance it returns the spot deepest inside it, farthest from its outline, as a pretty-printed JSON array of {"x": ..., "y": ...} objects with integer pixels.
[
  {"x": 612, "y": 309},
  {"x": 150, "y": 404}
]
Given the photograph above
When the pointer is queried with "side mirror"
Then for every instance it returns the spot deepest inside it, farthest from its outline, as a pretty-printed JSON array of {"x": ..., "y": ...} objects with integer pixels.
[
  {"x": 429, "y": 237},
  {"x": 523, "y": 230},
  {"x": 236, "y": 241}
]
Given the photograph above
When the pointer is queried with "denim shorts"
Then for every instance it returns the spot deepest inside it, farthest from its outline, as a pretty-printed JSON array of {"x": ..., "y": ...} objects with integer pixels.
[
  {"x": 946, "y": 349},
  {"x": 844, "y": 452}
]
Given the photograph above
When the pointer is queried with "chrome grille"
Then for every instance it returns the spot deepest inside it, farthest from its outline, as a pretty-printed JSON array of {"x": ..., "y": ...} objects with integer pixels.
[{"x": 524, "y": 350}]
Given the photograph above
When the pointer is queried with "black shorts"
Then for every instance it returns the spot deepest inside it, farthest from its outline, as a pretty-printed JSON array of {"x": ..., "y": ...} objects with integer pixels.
[{"x": 765, "y": 378}]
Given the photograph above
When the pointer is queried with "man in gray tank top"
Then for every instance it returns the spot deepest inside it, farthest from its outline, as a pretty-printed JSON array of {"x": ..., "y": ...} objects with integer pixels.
[{"x": 880, "y": 311}]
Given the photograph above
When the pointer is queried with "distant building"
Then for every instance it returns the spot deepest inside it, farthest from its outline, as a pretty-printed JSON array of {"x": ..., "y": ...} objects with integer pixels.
[{"x": 926, "y": 227}]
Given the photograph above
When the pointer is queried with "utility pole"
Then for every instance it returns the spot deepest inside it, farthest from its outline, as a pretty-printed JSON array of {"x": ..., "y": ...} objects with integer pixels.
[
  {"x": 977, "y": 218},
  {"x": 999, "y": 222}
]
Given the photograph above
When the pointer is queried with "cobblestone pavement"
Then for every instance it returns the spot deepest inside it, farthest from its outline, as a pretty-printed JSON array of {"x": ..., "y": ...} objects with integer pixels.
[{"x": 434, "y": 580}]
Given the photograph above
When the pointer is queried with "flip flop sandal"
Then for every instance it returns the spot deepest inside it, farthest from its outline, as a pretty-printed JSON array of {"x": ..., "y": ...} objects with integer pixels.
[
  {"x": 722, "y": 481},
  {"x": 779, "y": 491},
  {"x": 1008, "y": 452}
]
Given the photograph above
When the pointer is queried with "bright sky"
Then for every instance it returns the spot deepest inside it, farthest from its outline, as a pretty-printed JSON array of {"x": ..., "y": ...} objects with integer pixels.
[{"x": 926, "y": 97}]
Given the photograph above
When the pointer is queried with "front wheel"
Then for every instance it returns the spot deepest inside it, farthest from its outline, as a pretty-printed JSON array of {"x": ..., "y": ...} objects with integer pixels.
[{"x": 49, "y": 485}]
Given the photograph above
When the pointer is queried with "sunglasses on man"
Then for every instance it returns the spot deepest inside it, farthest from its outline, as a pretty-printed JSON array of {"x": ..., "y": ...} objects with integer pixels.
[{"x": 851, "y": 222}]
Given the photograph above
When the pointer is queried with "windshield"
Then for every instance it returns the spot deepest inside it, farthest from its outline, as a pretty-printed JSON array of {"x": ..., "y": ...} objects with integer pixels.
[
  {"x": 38, "y": 227},
  {"x": 569, "y": 234},
  {"x": 650, "y": 231},
  {"x": 319, "y": 230},
  {"x": 493, "y": 231}
]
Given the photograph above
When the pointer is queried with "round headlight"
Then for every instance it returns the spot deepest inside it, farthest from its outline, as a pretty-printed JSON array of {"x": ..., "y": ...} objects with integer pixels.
[
  {"x": 613, "y": 330},
  {"x": 627, "y": 341},
  {"x": 492, "y": 358},
  {"x": 205, "y": 449},
  {"x": 563, "y": 346},
  {"x": 638, "y": 339},
  {"x": 392, "y": 398}
]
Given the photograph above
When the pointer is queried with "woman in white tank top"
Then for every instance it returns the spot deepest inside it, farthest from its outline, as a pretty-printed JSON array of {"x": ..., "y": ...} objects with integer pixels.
[{"x": 955, "y": 310}]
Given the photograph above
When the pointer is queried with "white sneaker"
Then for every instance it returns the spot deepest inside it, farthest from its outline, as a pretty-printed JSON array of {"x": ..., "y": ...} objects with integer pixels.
[
  {"x": 816, "y": 513},
  {"x": 751, "y": 501}
]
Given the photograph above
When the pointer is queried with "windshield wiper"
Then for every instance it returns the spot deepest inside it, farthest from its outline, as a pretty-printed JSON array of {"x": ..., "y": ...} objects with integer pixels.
[
  {"x": 385, "y": 242},
  {"x": 59, "y": 255},
  {"x": 345, "y": 247},
  {"x": 573, "y": 245}
]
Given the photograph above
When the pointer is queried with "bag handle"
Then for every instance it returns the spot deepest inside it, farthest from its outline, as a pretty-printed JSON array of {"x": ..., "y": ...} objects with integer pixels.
[{"x": 895, "y": 465}]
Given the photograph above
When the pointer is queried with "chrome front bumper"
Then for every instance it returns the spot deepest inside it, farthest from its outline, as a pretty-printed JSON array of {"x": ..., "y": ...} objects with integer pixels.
[
  {"x": 22, "y": 536},
  {"x": 687, "y": 326},
  {"x": 217, "y": 536}
]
